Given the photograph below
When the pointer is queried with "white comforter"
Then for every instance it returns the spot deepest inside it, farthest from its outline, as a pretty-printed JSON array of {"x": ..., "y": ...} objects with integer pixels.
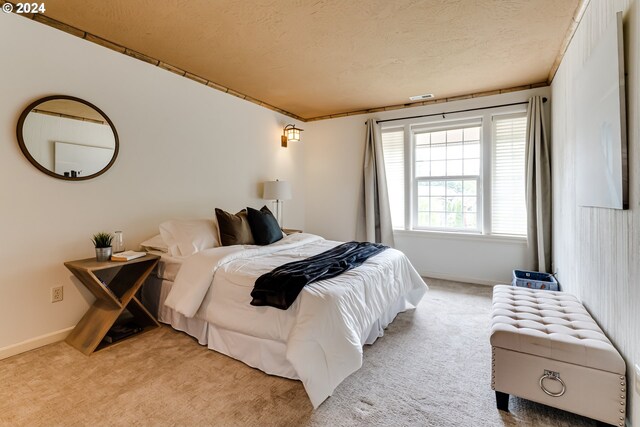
[{"x": 324, "y": 329}]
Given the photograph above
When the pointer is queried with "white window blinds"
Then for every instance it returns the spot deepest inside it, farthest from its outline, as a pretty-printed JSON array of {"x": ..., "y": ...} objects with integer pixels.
[
  {"x": 447, "y": 174},
  {"x": 508, "y": 210},
  {"x": 393, "y": 150}
]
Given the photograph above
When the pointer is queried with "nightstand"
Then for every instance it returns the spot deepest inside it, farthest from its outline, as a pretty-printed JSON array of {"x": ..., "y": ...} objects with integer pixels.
[
  {"x": 114, "y": 284},
  {"x": 288, "y": 231}
]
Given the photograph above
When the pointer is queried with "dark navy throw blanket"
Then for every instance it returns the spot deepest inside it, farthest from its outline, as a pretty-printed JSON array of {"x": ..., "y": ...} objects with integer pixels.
[{"x": 280, "y": 287}]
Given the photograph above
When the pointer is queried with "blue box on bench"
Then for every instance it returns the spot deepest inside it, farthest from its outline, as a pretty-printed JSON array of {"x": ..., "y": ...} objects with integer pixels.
[{"x": 534, "y": 280}]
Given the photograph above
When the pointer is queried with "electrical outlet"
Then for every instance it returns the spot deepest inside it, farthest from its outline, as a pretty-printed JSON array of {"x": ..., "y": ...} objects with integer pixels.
[
  {"x": 57, "y": 294},
  {"x": 637, "y": 366}
]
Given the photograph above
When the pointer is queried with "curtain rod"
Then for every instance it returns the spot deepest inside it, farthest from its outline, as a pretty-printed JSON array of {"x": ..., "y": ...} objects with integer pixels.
[{"x": 457, "y": 111}]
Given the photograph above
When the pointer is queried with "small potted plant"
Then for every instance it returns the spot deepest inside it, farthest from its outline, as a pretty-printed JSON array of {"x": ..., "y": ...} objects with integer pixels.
[{"x": 102, "y": 242}]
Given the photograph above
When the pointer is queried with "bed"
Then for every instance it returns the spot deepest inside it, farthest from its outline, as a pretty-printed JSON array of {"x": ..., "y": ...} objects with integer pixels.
[{"x": 318, "y": 340}]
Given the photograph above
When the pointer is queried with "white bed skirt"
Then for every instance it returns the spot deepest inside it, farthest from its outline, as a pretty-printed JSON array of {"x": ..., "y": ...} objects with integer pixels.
[
  {"x": 154, "y": 292},
  {"x": 267, "y": 355}
]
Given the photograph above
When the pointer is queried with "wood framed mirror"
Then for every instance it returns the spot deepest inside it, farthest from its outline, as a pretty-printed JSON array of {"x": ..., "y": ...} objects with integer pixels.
[{"x": 67, "y": 138}]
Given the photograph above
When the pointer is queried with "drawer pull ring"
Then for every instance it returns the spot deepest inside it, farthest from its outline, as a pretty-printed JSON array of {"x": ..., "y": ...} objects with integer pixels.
[{"x": 552, "y": 376}]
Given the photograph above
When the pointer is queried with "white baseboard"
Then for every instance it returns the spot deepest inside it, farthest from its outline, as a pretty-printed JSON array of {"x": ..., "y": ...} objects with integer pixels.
[
  {"x": 36, "y": 342},
  {"x": 454, "y": 278}
]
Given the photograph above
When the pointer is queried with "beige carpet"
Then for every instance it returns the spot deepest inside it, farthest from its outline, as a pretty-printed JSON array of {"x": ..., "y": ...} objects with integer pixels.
[{"x": 431, "y": 368}]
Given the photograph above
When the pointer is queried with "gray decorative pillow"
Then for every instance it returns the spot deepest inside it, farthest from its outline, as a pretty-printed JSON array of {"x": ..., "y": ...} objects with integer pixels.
[{"x": 234, "y": 228}]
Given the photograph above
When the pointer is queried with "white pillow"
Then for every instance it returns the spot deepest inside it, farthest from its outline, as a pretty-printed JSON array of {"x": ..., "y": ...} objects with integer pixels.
[
  {"x": 156, "y": 243},
  {"x": 186, "y": 237}
]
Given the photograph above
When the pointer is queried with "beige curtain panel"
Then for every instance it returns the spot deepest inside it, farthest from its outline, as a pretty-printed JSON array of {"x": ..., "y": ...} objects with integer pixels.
[
  {"x": 376, "y": 225},
  {"x": 538, "y": 184}
]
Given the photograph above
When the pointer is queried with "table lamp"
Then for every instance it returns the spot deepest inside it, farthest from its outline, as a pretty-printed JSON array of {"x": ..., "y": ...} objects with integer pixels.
[{"x": 277, "y": 191}]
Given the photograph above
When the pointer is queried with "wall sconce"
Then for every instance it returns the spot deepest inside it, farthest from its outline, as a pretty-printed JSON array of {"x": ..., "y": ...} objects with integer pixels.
[{"x": 290, "y": 133}]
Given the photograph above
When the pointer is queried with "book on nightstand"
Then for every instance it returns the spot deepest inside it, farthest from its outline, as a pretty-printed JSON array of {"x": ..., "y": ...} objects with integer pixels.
[{"x": 127, "y": 256}]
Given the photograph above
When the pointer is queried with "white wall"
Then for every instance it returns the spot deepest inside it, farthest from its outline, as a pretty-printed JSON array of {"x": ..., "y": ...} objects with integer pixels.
[
  {"x": 474, "y": 259},
  {"x": 184, "y": 150},
  {"x": 597, "y": 251},
  {"x": 334, "y": 157}
]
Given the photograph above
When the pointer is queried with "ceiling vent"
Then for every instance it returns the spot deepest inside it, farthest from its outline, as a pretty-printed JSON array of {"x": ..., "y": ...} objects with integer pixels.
[{"x": 421, "y": 97}]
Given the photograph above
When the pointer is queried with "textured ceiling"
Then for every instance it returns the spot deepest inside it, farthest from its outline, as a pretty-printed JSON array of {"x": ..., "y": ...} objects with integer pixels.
[{"x": 314, "y": 58}]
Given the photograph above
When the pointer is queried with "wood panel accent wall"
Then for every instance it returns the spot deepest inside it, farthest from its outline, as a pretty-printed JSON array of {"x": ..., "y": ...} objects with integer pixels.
[{"x": 597, "y": 251}]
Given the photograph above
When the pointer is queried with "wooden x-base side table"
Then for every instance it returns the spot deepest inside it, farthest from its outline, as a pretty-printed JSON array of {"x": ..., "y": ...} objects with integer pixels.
[{"x": 114, "y": 284}]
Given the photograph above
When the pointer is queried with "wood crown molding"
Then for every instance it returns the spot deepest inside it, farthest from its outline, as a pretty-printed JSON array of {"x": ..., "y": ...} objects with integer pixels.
[
  {"x": 184, "y": 73},
  {"x": 429, "y": 102},
  {"x": 571, "y": 31},
  {"x": 43, "y": 19}
]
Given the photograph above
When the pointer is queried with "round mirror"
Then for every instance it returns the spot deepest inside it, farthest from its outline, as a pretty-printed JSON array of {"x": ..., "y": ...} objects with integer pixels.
[{"x": 67, "y": 138}]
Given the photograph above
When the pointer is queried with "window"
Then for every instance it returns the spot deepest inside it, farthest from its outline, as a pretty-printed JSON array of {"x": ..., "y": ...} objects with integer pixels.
[
  {"x": 393, "y": 151},
  {"x": 508, "y": 210},
  {"x": 464, "y": 176},
  {"x": 447, "y": 176}
]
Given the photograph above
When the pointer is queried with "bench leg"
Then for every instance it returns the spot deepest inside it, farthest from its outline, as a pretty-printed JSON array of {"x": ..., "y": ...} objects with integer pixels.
[{"x": 502, "y": 401}]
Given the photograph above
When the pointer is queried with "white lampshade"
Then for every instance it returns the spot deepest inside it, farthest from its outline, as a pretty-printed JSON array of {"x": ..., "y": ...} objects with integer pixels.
[{"x": 276, "y": 190}]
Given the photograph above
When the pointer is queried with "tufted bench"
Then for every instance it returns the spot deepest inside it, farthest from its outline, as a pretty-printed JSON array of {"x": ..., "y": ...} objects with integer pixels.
[{"x": 547, "y": 348}]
